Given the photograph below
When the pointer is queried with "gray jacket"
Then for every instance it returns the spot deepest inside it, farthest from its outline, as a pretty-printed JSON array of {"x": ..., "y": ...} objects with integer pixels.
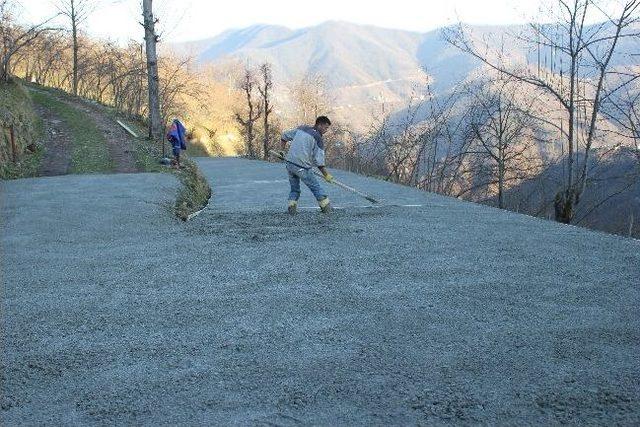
[{"x": 307, "y": 147}]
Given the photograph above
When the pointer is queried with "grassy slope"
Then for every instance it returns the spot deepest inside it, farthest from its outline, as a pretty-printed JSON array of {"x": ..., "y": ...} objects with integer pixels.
[
  {"x": 146, "y": 153},
  {"x": 89, "y": 152},
  {"x": 194, "y": 192},
  {"x": 16, "y": 109}
]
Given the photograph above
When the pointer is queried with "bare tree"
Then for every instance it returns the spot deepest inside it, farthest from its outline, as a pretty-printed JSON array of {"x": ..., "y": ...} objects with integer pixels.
[
  {"x": 252, "y": 112},
  {"x": 580, "y": 66},
  {"x": 502, "y": 131},
  {"x": 179, "y": 88},
  {"x": 14, "y": 38},
  {"x": 77, "y": 11},
  {"x": 444, "y": 144},
  {"x": 404, "y": 146},
  {"x": 153, "y": 80},
  {"x": 265, "y": 87},
  {"x": 311, "y": 98},
  {"x": 426, "y": 146},
  {"x": 623, "y": 109}
]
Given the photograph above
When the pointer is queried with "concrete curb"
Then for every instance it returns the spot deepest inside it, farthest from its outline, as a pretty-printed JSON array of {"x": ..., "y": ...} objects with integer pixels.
[{"x": 196, "y": 213}]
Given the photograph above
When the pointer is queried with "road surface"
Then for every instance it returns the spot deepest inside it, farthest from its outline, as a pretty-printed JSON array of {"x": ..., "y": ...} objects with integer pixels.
[{"x": 113, "y": 312}]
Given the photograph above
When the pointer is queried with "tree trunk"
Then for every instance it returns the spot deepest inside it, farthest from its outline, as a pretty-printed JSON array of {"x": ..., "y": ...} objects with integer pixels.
[
  {"x": 265, "y": 142},
  {"x": 155, "y": 125},
  {"x": 140, "y": 89},
  {"x": 250, "y": 121},
  {"x": 501, "y": 183},
  {"x": 5, "y": 69},
  {"x": 565, "y": 211},
  {"x": 250, "y": 139},
  {"x": 74, "y": 33},
  {"x": 267, "y": 83}
]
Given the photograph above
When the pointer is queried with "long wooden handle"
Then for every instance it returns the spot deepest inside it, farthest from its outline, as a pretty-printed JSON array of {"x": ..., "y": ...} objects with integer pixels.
[{"x": 334, "y": 181}]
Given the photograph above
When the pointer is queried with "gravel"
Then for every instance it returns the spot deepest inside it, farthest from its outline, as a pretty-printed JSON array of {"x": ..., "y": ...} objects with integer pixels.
[{"x": 113, "y": 312}]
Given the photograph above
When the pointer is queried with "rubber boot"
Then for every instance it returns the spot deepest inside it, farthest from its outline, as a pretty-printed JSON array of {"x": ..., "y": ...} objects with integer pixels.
[
  {"x": 325, "y": 205},
  {"x": 293, "y": 207}
]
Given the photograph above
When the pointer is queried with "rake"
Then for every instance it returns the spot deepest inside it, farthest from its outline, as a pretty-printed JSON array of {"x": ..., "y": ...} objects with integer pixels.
[{"x": 279, "y": 155}]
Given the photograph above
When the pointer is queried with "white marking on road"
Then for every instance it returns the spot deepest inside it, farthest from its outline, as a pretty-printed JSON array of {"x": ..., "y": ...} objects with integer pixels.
[
  {"x": 246, "y": 183},
  {"x": 363, "y": 206}
]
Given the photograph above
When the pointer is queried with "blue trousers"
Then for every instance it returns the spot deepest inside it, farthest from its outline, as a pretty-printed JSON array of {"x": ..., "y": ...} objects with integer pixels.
[{"x": 297, "y": 174}]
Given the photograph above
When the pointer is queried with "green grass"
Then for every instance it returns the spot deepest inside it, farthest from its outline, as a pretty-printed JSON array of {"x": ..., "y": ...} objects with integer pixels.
[
  {"x": 194, "y": 193},
  {"x": 146, "y": 156},
  {"x": 27, "y": 166},
  {"x": 28, "y": 163},
  {"x": 89, "y": 153},
  {"x": 16, "y": 109}
]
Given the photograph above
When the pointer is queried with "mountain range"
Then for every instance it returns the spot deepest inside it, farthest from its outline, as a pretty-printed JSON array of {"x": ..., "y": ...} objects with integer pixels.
[{"x": 363, "y": 67}]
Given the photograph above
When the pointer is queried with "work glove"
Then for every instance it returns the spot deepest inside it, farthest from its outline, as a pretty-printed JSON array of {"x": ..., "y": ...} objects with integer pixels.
[{"x": 329, "y": 178}]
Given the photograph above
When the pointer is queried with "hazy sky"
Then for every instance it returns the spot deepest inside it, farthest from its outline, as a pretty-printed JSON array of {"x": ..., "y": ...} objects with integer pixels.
[{"x": 196, "y": 19}]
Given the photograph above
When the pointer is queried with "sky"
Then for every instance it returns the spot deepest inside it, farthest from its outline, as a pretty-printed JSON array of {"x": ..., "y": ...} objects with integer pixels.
[{"x": 182, "y": 20}]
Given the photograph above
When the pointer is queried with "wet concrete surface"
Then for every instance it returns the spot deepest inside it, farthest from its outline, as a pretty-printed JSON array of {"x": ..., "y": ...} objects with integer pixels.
[{"x": 444, "y": 313}]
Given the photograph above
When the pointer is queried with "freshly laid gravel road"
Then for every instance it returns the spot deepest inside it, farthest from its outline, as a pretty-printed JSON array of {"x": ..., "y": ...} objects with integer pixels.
[{"x": 114, "y": 312}]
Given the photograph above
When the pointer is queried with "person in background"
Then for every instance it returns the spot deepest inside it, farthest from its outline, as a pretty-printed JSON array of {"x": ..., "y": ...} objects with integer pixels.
[
  {"x": 305, "y": 152},
  {"x": 177, "y": 136}
]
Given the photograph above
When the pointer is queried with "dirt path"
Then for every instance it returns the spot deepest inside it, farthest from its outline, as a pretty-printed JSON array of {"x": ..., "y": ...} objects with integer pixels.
[
  {"x": 59, "y": 138},
  {"x": 57, "y": 144},
  {"x": 121, "y": 144}
]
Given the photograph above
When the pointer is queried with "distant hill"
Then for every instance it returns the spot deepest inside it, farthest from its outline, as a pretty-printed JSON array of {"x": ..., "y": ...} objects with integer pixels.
[{"x": 363, "y": 66}]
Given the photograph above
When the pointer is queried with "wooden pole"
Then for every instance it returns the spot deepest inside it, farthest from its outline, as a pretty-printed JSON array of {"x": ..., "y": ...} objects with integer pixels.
[
  {"x": 125, "y": 127},
  {"x": 14, "y": 155},
  {"x": 280, "y": 156}
]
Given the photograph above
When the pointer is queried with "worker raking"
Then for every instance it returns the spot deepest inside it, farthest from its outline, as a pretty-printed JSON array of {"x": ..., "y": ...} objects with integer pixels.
[{"x": 306, "y": 151}]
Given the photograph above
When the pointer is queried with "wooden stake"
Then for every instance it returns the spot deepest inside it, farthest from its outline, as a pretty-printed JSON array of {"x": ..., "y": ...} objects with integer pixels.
[
  {"x": 125, "y": 127},
  {"x": 13, "y": 144}
]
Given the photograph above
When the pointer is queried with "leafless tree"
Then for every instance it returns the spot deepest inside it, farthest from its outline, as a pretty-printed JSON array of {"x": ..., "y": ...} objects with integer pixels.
[
  {"x": 77, "y": 12},
  {"x": 14, "y": 38},
  {"x": 580, "y": 68},
  {"x": 265, "y": 88},
  {"x": 252, "y": 112},
  {"x": 178, "y": 87},
  {"x": 311, "y": 98},
  {"x": 425, "y": 146},
  {"x": 623, "y": 109},
  {"x": 502, "y": 129}
]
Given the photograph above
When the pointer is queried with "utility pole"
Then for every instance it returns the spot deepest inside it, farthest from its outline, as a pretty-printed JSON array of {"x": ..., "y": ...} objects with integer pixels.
[{"x": 150, "y": 37}]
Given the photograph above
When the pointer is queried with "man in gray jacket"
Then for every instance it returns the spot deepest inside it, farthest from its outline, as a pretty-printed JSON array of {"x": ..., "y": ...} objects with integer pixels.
[{"x": 307, "y": 151}]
